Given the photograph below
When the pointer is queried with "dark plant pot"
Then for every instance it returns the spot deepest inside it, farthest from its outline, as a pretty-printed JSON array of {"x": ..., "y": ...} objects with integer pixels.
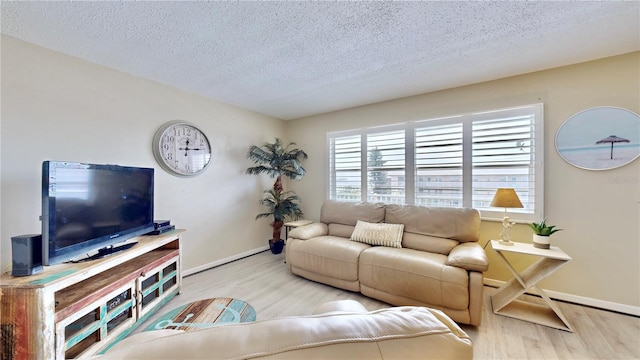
[{"x": 276, "y": 247}]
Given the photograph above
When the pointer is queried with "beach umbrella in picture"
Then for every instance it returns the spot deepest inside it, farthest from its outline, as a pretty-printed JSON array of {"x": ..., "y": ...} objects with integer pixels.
[{"x": 612, "y": 139}]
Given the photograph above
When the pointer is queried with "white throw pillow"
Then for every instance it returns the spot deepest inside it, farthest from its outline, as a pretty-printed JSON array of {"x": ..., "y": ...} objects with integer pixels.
[{"x": 378, "y": 234}]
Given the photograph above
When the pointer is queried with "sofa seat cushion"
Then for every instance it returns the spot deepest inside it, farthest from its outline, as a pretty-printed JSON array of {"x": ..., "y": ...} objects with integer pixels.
[
  {"x": 416, "y": 275},
  {"x": 331, "y": 256}
]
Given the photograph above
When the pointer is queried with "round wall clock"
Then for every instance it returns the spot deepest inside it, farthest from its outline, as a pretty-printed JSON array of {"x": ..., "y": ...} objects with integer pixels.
[{"x": 181, "y": 148}]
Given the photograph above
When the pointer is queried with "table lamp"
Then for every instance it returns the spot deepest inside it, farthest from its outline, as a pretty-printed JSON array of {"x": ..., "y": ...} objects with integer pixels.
[{"x": 506, "y": 198}]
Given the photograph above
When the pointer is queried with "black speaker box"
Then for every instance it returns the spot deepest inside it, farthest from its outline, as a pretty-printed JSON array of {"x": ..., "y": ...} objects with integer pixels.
[
  {"x": 26, "y": 251},
  {"x": 162, "y": 230},
  {"x": 158, "y": 224}
]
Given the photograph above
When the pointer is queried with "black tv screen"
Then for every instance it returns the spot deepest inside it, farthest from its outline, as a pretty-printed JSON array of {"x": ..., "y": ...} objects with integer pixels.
[{"x": 87, "y": 207}]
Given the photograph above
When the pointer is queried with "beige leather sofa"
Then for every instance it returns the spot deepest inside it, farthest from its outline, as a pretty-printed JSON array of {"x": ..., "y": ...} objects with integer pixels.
[
  {"x": 339, "y": 330},
  {"x": 439, "y": 265}
]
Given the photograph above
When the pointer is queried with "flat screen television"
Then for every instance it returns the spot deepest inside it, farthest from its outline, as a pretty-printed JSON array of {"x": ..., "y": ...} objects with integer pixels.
[{"x": 89, "y": 207}]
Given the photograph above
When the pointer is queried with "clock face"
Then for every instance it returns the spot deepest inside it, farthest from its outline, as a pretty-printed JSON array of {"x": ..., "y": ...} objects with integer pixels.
[{"x": 181, "y": 148}]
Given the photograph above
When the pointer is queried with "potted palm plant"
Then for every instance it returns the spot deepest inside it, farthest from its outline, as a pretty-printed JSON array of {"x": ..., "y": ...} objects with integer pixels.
[
  {"x": 280, "y": 205},
  {"x": 541, "y": 234},
  {"x": 277, "y": 160}
]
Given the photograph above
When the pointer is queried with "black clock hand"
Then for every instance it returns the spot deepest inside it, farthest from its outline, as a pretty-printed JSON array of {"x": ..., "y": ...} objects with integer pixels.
[{"x": 186, "y": 149}]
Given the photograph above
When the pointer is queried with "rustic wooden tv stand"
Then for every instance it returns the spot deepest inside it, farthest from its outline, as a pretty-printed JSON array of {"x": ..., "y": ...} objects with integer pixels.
[{"x": 77, "y": 309}]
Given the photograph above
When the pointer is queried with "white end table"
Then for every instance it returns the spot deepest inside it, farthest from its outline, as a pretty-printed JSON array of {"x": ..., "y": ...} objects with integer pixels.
[{"x": 505, "y": 302}]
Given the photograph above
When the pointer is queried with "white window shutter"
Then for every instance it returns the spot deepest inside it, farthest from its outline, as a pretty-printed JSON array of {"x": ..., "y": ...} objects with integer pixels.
[
  {"x": 438, "y": 165},
  {"x": 504, "y": 156},
  {"x": 386, "y": 167},
  {"x": 345, "y": 164}
]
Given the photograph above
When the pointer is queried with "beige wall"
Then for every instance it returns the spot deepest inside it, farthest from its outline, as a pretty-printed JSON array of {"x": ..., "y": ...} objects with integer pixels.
[
  {"x": 62, "y": 108},
  {"x": 58, "y": 107},
  {"x": 599, "y": 210}
]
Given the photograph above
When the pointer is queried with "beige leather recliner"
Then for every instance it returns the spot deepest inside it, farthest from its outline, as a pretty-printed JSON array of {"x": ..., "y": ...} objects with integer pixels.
[
  {"x": 341, "y": 329},
  {"x": 440, "y": 264}
]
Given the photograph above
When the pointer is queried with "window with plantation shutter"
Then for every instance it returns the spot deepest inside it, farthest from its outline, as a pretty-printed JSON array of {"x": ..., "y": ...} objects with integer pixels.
[
  {"x": 503, "y": 156},
  {"x": 345, "y": 163},
  {"x": 438, "y": 165},
  {"x": 457, "y": 161},
  {"x": 386, "y": 167}
]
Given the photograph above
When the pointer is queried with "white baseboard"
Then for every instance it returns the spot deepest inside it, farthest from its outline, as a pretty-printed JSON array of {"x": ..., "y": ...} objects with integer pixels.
[
  {"x": 582, "y": 300},
  {"x": 208, "y": 266}
]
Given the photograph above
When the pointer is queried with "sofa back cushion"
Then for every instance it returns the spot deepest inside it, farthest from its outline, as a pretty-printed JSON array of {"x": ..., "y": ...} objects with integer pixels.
[
  {"x": 346, "y": 213},
  {"x": 460, "y": 224},
  {"x": 340, "y": 230},
  {"x": 428, "y": 243}
]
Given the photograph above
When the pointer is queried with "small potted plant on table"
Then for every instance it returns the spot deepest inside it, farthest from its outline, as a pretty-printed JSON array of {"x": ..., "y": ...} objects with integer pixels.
[{"x": 541, "y": 234}]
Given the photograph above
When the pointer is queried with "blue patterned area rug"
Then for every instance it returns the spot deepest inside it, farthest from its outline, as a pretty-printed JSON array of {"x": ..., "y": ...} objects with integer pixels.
[{"x": 205, "y": 313}]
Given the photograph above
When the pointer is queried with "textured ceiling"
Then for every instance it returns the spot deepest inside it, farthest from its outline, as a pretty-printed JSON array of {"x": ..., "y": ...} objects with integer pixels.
[{"x": 294, "y": 59}]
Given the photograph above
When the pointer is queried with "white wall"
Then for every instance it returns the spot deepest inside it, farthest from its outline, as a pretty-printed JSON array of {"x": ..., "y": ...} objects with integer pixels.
[
  {"x": 599, "y": 210},
  {"x": 57, "y": 107}
]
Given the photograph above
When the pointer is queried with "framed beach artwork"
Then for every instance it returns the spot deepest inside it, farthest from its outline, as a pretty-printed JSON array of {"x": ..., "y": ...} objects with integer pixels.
[{"x": 600, "y": 138}]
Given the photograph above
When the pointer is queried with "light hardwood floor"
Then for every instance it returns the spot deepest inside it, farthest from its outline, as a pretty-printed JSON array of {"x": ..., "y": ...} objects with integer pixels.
[{"x": 264, "y": 281}]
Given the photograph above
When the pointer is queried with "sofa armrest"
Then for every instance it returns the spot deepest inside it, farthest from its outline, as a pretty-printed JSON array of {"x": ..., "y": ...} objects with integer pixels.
[
  {"x": 307, "y": 232},
  {"x": 469, "y": 256}
]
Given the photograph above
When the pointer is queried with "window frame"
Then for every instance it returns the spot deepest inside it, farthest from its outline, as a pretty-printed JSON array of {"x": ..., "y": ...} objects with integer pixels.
[{"x": 467, "y": 120}]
